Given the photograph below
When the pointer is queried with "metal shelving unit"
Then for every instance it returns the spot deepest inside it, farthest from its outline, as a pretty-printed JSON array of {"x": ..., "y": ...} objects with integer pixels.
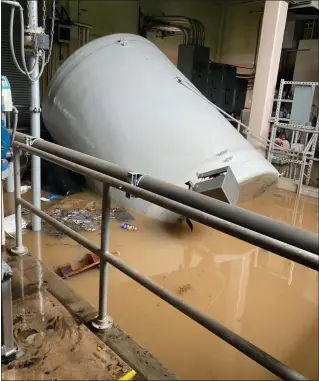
[{"x": 303, "y": 137}]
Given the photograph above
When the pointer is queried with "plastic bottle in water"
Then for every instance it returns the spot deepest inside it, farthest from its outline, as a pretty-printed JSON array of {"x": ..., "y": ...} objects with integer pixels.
[{"x": 130, "y": 227}]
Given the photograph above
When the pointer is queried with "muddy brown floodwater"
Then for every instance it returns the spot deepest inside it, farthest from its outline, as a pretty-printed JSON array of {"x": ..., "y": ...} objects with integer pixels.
[{"x": 268, "y": 300}]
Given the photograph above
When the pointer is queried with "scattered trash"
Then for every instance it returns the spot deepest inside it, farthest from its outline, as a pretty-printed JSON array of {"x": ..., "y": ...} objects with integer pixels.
[
  {"x": 184, "y": 288},
  {"x": 10, "y": 224},
  {"x": 77, "y": 219},
  {"x": 77, "y": 215},
  {"x": 98, "y": 348},
  {"x": 130, "y": 227},
  {"x": 121, "y": 214},
  {"x": 25, "y": 188},
  {"x": 90, "y": 260},
  {"x": 52, "y": 197},
  {"x": 25, "y": 211},
  {"x": 128, "y": 376}
]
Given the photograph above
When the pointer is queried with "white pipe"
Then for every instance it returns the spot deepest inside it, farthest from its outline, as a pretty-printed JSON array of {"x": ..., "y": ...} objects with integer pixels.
[
  {"x": 35, "y": 122},
  {"x": 13, "y": 3},
  {"x": 10, "y": 178},
  {"x": 24, "y": 69},
  {"x": 3, "y": 234}
]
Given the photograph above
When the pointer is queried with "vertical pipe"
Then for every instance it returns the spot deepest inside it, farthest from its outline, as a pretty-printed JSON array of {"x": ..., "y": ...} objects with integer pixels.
[
  {"x": 3, "y": 234},
  {"x": 221, "y": 32},
  {"x": 302, "y": 172},
  {"x": 103, "y": 321},
  {"x": 35, "y": 122},
  {"x": 10, "y": 180},
  {"x": 17, "y": 194},
  {"x": 7, "y": 343},
  {"x": 19, "y": 249}
]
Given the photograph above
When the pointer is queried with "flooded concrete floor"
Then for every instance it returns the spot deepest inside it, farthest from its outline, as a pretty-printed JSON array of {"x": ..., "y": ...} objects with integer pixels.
[
  {"x": 268, "y": 300},
  {"x": 56, "y": 347}
]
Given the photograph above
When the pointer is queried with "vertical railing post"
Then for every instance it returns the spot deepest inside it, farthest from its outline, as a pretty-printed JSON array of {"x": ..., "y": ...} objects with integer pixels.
[
  {"x": 9, "y": 351},
  {"x": 19, "y": 249},
  {"x": 103, "y": 321}
]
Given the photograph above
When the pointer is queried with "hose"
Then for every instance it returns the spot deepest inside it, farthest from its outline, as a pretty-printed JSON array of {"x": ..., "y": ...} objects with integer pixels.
[
  {"x": 201, "y": 29},
  {"x": 15, "y": 123},
  {"x": 25, "y": 71}
]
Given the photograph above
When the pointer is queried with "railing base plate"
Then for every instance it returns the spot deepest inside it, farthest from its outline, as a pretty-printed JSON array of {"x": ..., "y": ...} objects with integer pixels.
[
  {"x": 102, "y": 325},
  {"x": 19, "y": 251}
]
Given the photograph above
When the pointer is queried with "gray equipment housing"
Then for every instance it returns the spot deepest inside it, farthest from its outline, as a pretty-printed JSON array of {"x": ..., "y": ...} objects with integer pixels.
[{"x": 221, "y": 184}]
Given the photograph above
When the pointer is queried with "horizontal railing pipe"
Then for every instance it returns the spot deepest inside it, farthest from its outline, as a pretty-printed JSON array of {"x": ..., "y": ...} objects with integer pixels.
[
  {"x": 238, "y": 342},
  {"x": 260, "y": 224},
  {"x": 266, "y": 226},
  {"x": 287, "y": 251}
]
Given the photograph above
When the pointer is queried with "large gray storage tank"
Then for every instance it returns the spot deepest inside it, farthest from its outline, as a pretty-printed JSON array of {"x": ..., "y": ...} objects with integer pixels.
[{"x": 119, "y": 98}]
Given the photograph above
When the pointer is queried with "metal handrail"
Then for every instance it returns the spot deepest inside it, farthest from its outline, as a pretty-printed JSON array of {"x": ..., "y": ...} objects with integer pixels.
[
  {"x": 103, "y": 321},
  {"x": 267, "y": 227}
]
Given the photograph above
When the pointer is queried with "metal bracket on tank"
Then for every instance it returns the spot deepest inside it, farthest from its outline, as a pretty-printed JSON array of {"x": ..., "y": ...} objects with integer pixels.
[
  {"x": 134, "y": 177},
  {"x": 29, "y": 141},
  {"x": 219, "y": 183}
]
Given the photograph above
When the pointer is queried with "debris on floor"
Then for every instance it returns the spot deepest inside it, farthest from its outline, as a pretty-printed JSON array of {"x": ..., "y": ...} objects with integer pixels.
[
  {"x": 130, "y": 227},
  {"x": 91, "y": 260},
  {"x": 51, "y": 197},
  {"x": 184, "y": 288},
  {"x": 121, "y": 214},
  {"x": 10, "y": 224},
  {"x": 129, "y": 376},
  {"x": 78, "y": 214},
  {"x": 25, "y": 211},
  {"x": 77, "y": 220},
  {"x": 25, "y": 188}
]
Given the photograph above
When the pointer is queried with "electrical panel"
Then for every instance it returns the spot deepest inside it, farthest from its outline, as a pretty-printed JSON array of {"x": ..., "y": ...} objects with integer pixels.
[
  {"x": 193, "y": 61},
  {"x": 221, "y": 85},
  {"x": 239, "y": 95},
  {"x": 62, "y": 33}
]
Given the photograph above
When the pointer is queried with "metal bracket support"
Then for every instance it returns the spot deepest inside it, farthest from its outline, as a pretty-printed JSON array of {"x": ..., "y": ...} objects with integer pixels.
[
  {"x": 36, "y": 110},
  {"x": 135, "y": 178},
  {"x": 9, "y": 351},
  {"x": 29, "y": 140}
]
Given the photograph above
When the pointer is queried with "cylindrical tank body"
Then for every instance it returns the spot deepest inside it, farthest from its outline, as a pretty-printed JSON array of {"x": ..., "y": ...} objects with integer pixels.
[{"x": 119, "y": 98}]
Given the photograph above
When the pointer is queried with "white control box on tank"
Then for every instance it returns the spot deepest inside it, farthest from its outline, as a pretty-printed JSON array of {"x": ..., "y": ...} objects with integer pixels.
[{"x": 120, "y": 99}]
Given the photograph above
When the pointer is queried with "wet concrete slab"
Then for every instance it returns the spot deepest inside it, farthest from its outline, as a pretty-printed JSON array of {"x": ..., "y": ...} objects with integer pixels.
[
  {"x": 57, "y": 346},
  {"x": 48, "y": 311}
]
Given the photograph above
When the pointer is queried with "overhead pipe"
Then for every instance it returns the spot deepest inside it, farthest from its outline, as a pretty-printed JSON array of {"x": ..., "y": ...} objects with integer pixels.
[
  {"x": 178, "y": 19},
  {"x": 282, "y": 232}
]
